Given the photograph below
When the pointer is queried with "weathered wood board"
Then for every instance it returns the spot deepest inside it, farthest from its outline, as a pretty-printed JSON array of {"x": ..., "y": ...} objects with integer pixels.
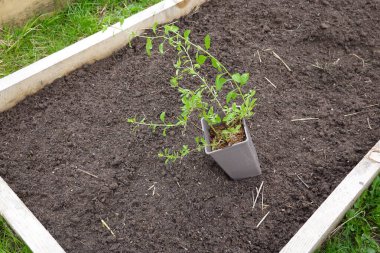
[
  {"x": 24, "y": 223},
  {"x": 316, "y": 229},
  {"x": 27, "y": 81}
]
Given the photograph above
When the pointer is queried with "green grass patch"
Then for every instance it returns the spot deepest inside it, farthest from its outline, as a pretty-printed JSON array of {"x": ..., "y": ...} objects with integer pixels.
[
  {"x": 9, "y": 242},
  {"x": 360, "y": 230},
  {"x": 46, "y": 34}
]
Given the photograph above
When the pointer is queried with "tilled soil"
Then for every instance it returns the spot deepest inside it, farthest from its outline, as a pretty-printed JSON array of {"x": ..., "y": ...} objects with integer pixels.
[{"x": 78, "y": 124}]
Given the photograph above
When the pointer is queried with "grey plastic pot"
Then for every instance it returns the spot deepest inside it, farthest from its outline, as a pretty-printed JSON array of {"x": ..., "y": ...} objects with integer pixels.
[{"x": 239, "y": 160}]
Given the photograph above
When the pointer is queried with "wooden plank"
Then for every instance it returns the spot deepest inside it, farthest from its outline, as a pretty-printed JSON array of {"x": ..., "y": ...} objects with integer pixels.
[
  {"x": 313, "y": 233},
  {"x": 24, "y": 223},
  {"x": 27, "y": 81},
  {"x": 16, "y": 12}
]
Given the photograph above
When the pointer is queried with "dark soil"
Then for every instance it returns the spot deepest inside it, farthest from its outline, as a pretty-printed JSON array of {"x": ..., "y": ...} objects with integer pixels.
[{"x": 78, "y": 124}]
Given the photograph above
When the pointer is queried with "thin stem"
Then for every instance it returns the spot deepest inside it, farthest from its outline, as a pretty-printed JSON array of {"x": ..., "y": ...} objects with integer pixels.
[
  {"x": 210, "y": 55},
  {"x": 205, "y": 52},
  {"x": 201, "y": 78},
  {"x": 156, "y": 125},
  {"x": 210, "y": 90},
  {"x": 152, "y": 37}
]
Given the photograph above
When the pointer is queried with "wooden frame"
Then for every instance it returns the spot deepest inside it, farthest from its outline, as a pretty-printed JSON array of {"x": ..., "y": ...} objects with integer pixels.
[
  {"x": 27, "y": 81},
  {"x": 316, "y": 229},
  {"x": 17, "y": 12},
  {"x": 24, "y": 223}
]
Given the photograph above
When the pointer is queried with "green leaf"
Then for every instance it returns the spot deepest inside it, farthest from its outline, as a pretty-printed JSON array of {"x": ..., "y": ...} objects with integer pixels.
[
  {"x": 201, "y": 59},
  {"x": 215, "y": 63},
  {"x": 219, "y": 82},
  {"x": 174, "y": 28},
  {"x": 161, "y": 48},
  {"x": 185, "y": 150},
  {"x": 207, "y": 41},
  {"x": 186, "y": 34},
  {"x": 231, "y": 96},
  {"x": 171, "y": 41},
  {"x": 174, "y": 82},
  {"x": 148, "y": 46},
  {"x": 229, "y": 117},
  {"x": 217, "y": 119},
  {"x": 179, "y": 46},
  {"x": 162, "y": 117},
  {"x": 170, "y": 28},
  {"x": 178, "y": 64},
  {"x": 244, "y": 78},
  {"x": 154, "y": 28},
  {"x": 131, "y": 120},
  {"x": 236, "y": 77}
]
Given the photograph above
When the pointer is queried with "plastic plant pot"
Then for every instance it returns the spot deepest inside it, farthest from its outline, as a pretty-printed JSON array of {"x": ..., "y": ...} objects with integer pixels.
[{"x": 240, "y": 160}]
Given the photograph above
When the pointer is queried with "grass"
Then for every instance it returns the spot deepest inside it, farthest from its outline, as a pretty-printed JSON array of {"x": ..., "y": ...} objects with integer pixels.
[
  {"x": 9, "y": 242},
  {"x": 360, "y": 230},
  {"x": 46, "y": 34}
]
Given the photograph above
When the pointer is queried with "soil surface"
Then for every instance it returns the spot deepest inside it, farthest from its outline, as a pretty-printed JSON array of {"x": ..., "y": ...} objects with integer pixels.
[{"x": 70, "y": 155}]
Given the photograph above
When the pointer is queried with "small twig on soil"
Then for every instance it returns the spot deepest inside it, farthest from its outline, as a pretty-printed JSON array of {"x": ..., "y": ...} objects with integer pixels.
[
  {"x": 317, "y": 66},
  {"x": 355, "y": 113},
  {"x": 107, "y": 227},
  {"x": 262, "y": 199},
  {"x": 258, "y": 54},
  {"x": 359, "y": 59},
  {"x": 257, "y": 194},
  {"x": 341, "y": 225},
  {"x": 292, "y": 30},
  {"x": 196, "y": 126},
  {"x": 303, "y": 181},
  {"x": 304, "y": 119},
  {"x": 258, "y": 225},
  {"x": 368, "y": 106},
  {"x": 180, "y": 243},
  {"x": 253, "y": 198},
  {"x": 278, "y": 57},
  {"x": 153, "y": 187},
  {"x": 336, "y": 62},
  {"x": 88, "y": 173},
  {"x": 352, "y": 114},
  {"x": 269, "y": 81},
  {"x": 369, "y": 125}
]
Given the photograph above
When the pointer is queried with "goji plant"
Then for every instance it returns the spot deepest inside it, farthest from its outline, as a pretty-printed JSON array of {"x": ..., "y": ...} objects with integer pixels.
[{"x": 222, "y": 99}]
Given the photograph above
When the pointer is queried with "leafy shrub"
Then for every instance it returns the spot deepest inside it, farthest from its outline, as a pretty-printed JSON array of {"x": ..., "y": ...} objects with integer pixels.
[{"x": 219, "y": 99}]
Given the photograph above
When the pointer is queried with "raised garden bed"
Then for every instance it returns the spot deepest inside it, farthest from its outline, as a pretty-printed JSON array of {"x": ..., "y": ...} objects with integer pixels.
[
  {"x": 50, "y": 32},
  {"x": 72, "y": 158},
  {"x": 25, "y": 224}
]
